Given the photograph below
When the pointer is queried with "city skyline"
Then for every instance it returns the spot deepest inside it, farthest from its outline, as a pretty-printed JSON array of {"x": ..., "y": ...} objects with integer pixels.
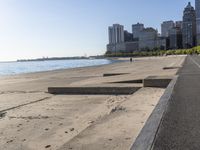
[
  {"x": 36, "y": 28},
  {"x": 175, "y": 34}
]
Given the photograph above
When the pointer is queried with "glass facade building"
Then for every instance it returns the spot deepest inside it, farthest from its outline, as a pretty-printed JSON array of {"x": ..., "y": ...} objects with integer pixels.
[
  {"x": 189, "y": 27},
  {"x": 197, "y": 5}
]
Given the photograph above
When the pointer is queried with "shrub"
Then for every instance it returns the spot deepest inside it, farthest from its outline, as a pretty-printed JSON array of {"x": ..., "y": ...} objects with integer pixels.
[{"x": 155, "y": 52}]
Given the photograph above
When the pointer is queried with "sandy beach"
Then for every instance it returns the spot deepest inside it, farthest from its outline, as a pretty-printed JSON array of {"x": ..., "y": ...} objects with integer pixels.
[{"x": 32, "y": 119}]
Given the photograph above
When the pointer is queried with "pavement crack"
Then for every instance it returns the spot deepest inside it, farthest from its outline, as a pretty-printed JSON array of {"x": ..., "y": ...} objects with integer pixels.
[
  {"x": 11, "y": 108},
  {"x": 19, "y": 92},
  {"x": 29, "y": 117}
]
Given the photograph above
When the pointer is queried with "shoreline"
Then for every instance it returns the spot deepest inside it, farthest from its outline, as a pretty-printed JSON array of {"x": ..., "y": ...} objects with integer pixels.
[
  {"x": 64, "y": 69},
  {"x": 114, "y": 59}
]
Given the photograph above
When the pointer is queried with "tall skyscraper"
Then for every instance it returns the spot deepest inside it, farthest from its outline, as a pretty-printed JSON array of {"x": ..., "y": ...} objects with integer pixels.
[
  {"x": 179, "y": 24},
  {"x": 175, "y": 37},
  {"x": 136, "y": 29},
  {"x": 165, "y": 27},
  {"x": 197, "y": 5},
  {"x": 116, "y": 34},
  {"x": 189, "y": 27}
]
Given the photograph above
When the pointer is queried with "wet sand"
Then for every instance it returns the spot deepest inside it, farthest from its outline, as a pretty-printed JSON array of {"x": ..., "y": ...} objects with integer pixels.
[{"x": 33, "y": 119}]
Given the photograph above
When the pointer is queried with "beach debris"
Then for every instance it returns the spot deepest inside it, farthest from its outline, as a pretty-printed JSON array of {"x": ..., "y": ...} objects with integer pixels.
[
  {"x": 91, "y": 122},
  {"x": 71, "y": 129},
  {"x": 2, "y": 115},
  {"x": 19, "y": 125},
  {"x": 128, "y": 138},
  {"x": 118, "y": 108},
  {"x": 10, "y": 141},
  {"x": 24, "y": 140},
  {"x": 47, "y": 146}
]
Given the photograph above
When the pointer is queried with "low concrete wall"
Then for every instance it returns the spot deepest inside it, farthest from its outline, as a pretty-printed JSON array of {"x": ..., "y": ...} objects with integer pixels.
[
  {"x": 145, "y": 139},
  {"x": 113, "y": 74},
  {"x": 154, "y": 81},
  {"x": 93, "y": 90},
  {"x": 129, "y": 81},
  {"x": 168, "y": 68}
]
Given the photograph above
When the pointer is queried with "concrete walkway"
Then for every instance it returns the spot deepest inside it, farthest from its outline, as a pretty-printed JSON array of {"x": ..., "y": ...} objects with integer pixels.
[{"x": 180, "y": 127}]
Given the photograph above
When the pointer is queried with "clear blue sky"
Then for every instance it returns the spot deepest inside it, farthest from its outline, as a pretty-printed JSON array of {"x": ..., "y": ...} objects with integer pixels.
[{"x": 37, "y": 28}]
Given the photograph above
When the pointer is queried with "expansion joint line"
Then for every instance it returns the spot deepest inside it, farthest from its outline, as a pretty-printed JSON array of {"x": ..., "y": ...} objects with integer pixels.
[{"x": 194, "y": 62}]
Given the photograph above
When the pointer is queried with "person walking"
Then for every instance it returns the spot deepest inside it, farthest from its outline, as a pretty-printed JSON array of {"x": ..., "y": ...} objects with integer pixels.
[{"x": 131, "y": 59}]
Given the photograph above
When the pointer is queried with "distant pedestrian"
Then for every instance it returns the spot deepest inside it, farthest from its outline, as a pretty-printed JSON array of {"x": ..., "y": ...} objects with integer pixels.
[{"x": 131, "y": 59}]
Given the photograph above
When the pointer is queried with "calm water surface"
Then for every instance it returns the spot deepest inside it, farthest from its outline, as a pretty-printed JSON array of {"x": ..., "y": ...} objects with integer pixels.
[{"x": 12, "y": 68}]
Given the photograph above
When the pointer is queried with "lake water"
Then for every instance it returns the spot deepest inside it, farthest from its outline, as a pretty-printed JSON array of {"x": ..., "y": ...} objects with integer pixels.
[{"x": 12, "y": 68}]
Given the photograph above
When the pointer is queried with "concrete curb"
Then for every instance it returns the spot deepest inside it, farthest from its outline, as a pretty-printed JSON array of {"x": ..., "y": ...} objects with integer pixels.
[{"x": 145, "y": 139}]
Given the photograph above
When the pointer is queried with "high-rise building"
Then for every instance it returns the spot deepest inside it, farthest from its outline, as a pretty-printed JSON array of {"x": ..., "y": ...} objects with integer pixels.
[
  {"x": 165, "y": 27},
  {"x": 120, "y": 40},
  {"x": 136, "y": 29},
  {"x": 197, "y": 5},
  {"x": 189, "y": 27},
  {"x": 128, "y": 37},
  {"x": 147, "y": 39},
  {"x": 161, "y": 43},
  {"x": 116, "y": 34},
  {"x": 175, "y": 38},
  {"x": 179, "y": 24}
]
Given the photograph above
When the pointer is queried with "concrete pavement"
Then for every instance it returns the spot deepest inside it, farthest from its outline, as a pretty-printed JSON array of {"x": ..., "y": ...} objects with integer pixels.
[{"x": 180, "y": 126}]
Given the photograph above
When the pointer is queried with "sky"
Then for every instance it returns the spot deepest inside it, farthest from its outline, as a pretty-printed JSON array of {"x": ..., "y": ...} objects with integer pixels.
[{"x": 61, "y": 28}]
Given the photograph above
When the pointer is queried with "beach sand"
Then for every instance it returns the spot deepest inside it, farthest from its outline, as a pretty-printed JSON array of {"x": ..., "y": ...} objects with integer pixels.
[{"x": 32, "y": 119}]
